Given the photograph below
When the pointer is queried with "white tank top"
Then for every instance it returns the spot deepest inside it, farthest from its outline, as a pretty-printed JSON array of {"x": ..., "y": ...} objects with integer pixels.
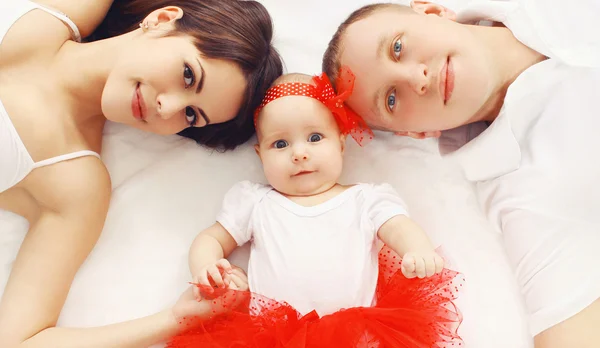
[{"x": 15, "y": 161}]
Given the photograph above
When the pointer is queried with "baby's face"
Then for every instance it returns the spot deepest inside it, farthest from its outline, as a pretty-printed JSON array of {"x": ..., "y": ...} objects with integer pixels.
[{"x": 300, "y": 146}]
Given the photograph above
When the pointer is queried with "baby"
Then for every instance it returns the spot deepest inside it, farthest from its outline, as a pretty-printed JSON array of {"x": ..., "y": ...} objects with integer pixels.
[{"x": 314, "y": 242}]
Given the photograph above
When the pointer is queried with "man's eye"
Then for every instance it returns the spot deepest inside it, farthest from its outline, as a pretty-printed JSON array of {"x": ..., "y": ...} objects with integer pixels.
[{"x": 397, "y": 48}]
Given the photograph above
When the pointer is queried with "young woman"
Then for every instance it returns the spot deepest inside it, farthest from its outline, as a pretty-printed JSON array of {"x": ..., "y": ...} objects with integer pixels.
[{"x": 193, "y": 67}]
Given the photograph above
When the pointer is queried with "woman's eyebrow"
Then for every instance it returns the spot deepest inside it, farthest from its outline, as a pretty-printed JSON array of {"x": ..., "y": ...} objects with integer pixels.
[
  {"x": 201, "y": 82},
  {"x": 198, "y": 89}
]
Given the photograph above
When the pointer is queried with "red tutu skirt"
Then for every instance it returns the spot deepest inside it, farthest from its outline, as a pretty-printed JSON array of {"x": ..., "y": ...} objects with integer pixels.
[{"x": 409, "y": 313}]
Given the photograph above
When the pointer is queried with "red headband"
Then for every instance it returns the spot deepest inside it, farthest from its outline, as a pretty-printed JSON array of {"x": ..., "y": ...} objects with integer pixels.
[{"x": 348, "y": 121}]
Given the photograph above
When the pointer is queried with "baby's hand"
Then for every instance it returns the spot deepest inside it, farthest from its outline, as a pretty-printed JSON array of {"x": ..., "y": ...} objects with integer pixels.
[
  {"x": 422, "y": 264},
  {"x": 212, "y": 276},
  {"x": 191, "y": 307},
  {"x": 238, "y": 280}
]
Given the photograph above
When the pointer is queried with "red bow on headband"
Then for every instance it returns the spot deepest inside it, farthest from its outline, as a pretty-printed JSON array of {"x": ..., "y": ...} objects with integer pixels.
[{"x": 348, "y": 121}]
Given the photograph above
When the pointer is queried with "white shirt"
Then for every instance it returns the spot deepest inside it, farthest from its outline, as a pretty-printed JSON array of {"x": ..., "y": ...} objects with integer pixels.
[
  {"x": 559, "y": 29},
  {"x": 322, "y": 257},
  {"x": 536, "y": 166}
]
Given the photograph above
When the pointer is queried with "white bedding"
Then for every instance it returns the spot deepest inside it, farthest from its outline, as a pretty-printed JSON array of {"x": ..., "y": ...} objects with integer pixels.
[{"x": 167, "y": 189}]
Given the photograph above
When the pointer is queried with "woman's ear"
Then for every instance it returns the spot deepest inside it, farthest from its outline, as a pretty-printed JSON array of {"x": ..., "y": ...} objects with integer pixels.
[
  {"x": 429, "y": 8},
  {"x": 163, "y": 16}
]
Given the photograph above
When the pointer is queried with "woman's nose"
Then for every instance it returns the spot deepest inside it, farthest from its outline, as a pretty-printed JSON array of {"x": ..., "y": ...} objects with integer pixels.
[{"x": 168, "y": 105}]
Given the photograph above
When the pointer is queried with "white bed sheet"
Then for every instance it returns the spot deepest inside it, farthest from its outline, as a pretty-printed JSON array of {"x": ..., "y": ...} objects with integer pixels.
[{"x": 167, "y": 189}]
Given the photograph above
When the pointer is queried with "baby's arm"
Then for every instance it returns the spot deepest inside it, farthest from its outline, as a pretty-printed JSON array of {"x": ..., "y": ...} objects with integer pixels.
[
  {"x": 408, "y": 240},
  {"x": 207, "y": 256}
]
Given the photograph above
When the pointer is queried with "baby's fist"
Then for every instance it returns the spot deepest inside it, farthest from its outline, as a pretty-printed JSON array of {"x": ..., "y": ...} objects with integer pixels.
[{"x": 421, "y": 264}]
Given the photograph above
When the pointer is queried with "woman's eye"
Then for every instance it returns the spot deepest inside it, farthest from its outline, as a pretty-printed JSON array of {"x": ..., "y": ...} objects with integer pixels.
[
  {"x": 188, "y": 76},
  {"x": 391, "y": 101},
  {"x": 280, "y": 144},
  {"x": 191, "y": 116},
  {"x": 316, "y": 137},
  {"x": 397, "y": 48}
]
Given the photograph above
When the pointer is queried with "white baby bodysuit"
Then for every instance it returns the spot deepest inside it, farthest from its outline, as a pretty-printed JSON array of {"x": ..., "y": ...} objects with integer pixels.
[{"x": 322, "y": 257}]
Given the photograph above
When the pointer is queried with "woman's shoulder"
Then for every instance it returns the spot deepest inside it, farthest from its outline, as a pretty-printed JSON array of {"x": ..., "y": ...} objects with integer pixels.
[
  {"x": 71, "y": 185},
  {"x": 36, "y": 36},
  {"x": 86, "y": 15},
  {"x": 38, "y": 29}
]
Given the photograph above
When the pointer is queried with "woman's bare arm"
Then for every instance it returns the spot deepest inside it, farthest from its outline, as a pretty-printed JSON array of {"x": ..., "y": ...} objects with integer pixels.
[
  {"x": 76, "y": 204},
  {"x": 87, "y": 15}
]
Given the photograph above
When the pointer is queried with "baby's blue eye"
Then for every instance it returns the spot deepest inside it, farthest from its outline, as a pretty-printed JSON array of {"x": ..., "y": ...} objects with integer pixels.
[
  {"x": 280, "y": 144},
  {"x": 316, "y": 137},
  {"x": 391, "y": 100}
]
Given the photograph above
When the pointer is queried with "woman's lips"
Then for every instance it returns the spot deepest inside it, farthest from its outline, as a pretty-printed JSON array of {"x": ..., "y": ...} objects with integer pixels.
[{"x": 137, "y": 104}]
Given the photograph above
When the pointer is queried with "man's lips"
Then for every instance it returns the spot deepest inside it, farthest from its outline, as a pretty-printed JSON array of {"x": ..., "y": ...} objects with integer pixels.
[{"x": 446, "y": 81}]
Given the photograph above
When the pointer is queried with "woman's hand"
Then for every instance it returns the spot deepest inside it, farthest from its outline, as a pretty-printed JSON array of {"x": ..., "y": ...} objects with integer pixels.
[{"x": 192, "y": 305}]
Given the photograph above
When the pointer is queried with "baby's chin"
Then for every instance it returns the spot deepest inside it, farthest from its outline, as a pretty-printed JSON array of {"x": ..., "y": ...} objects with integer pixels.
[{"x": 304, "y": 190}]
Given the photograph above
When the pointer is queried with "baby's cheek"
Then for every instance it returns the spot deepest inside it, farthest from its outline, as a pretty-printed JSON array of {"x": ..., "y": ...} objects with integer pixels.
[
  {"x": 275, "y": 170},
  {"x": 335, "y": 163}
]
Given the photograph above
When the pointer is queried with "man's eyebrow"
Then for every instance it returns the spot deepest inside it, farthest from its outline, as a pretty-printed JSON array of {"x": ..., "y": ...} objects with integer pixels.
[
  {"x": 381, "y": 51},
  {"x": 376, "y": 105},
  {"x": 381, "y": 46}
]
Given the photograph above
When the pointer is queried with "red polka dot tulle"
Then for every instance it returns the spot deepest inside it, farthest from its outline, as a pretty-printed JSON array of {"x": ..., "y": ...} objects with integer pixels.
[{"x": 409, "y": 313}]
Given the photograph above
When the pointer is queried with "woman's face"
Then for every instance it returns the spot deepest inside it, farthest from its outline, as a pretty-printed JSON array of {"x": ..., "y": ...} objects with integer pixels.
[
  {"x": 163, "y": 84},
  {"x": 416, "y": 71}
]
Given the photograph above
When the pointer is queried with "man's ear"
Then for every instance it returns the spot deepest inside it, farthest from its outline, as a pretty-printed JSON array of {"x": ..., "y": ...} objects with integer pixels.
[
  {"x": 429, "y": 8},
  {"x": 420, "y": 135}
]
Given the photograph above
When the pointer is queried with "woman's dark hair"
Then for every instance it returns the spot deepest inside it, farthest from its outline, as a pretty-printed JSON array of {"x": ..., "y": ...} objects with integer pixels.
[{"x": 234, "y": 30}]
